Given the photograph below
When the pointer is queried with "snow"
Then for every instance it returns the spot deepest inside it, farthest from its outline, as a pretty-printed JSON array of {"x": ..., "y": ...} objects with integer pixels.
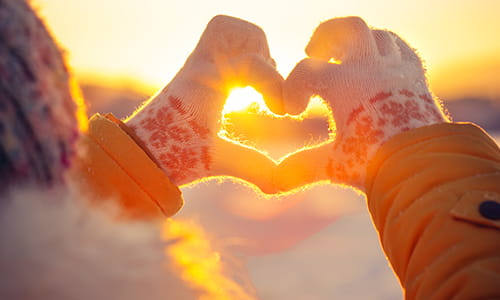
[{"x": 308, "y": 253}]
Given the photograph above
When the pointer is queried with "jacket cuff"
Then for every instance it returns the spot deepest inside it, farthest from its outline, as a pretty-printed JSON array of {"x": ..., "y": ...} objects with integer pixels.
[
  {"x": 417, "y": 138},
  {"x": 116, "y": 166}
]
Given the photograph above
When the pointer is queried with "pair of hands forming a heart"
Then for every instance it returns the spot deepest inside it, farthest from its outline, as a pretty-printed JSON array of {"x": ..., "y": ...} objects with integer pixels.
[{"x": 375, "y": 88}]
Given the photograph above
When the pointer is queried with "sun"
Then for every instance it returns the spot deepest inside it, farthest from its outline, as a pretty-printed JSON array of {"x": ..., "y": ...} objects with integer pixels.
[{"x": 240, "y": 99}]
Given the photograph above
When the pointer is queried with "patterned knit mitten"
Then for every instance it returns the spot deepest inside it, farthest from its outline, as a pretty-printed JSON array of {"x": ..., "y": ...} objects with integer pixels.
[
  {"x": 376, "y": 87},
  {"x": 179, "y": 126}
]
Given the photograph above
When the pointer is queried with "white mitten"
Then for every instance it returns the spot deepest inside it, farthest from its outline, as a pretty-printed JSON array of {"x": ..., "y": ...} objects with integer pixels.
[
  {"x": 375, "y": 85},
  {"x": 179, "y": 126}
]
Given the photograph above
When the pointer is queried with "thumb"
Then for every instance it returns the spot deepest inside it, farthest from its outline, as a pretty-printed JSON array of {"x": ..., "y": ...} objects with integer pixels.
[{"x": 302, "y": 83}]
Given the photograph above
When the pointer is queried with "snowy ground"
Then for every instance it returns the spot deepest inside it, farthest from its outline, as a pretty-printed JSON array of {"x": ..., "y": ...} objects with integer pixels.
[
  {"x": 309, "y": 252},
  {"x": 343, "y": 261}
]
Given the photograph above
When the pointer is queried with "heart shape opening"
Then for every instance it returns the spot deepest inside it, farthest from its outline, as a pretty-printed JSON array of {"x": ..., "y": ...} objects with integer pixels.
[{"x": 246, "y": 120}]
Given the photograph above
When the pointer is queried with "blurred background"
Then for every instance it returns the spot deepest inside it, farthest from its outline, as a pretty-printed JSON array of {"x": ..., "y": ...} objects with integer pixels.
[{"x": 318, "y": 243}]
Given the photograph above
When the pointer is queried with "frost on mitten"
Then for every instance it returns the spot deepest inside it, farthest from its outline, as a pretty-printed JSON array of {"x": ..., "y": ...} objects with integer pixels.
[{"x": 38, "y": 125}]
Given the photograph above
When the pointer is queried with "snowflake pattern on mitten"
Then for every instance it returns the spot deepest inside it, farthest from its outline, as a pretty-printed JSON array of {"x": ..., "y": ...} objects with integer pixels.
[{"x": 176, "y": 138}]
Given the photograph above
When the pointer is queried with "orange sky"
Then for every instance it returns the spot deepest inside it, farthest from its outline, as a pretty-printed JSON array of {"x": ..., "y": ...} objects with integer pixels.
[{"x": 149, "y": 40}]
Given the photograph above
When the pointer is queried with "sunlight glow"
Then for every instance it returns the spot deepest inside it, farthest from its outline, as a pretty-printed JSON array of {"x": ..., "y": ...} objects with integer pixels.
[
  {"x": 250, "y": 123},
  {"x": 334, "y": 61},
  {"x": 198, "y": 263},
  {"x": 81, "y": 111},
  {"x": 242, "y": 98}
]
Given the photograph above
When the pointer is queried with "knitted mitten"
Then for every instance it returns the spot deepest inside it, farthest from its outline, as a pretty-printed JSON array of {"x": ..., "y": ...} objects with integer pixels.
[
  {"x": 38, "y": 125},
  {"x": 376, "y": 87},
  {"x": 179, "y": 126}
]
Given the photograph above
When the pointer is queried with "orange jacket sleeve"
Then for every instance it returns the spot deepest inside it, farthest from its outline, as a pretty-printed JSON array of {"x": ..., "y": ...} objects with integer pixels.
[
  {"x": 434, "y": 197},
  {"x": 112, "y": 166}
]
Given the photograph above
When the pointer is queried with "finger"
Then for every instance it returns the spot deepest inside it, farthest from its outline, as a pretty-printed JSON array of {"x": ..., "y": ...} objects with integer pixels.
[
  {"x": 254, "y": 70},
  {"x": 304, "y": 81},
  {"x": 231, "y": 159},
  {"x": 303, "y": 168},
  {"x": 226, "y": 37},
  {"x": 343, "y": 39}
]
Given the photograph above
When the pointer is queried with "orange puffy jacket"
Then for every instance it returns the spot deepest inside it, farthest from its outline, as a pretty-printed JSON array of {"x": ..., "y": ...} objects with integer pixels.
[{"x": 434, "y": 197}]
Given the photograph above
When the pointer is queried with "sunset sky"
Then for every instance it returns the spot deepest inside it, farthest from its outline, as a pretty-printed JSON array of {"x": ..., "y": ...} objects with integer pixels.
[{"x": 149, "y": 40}]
